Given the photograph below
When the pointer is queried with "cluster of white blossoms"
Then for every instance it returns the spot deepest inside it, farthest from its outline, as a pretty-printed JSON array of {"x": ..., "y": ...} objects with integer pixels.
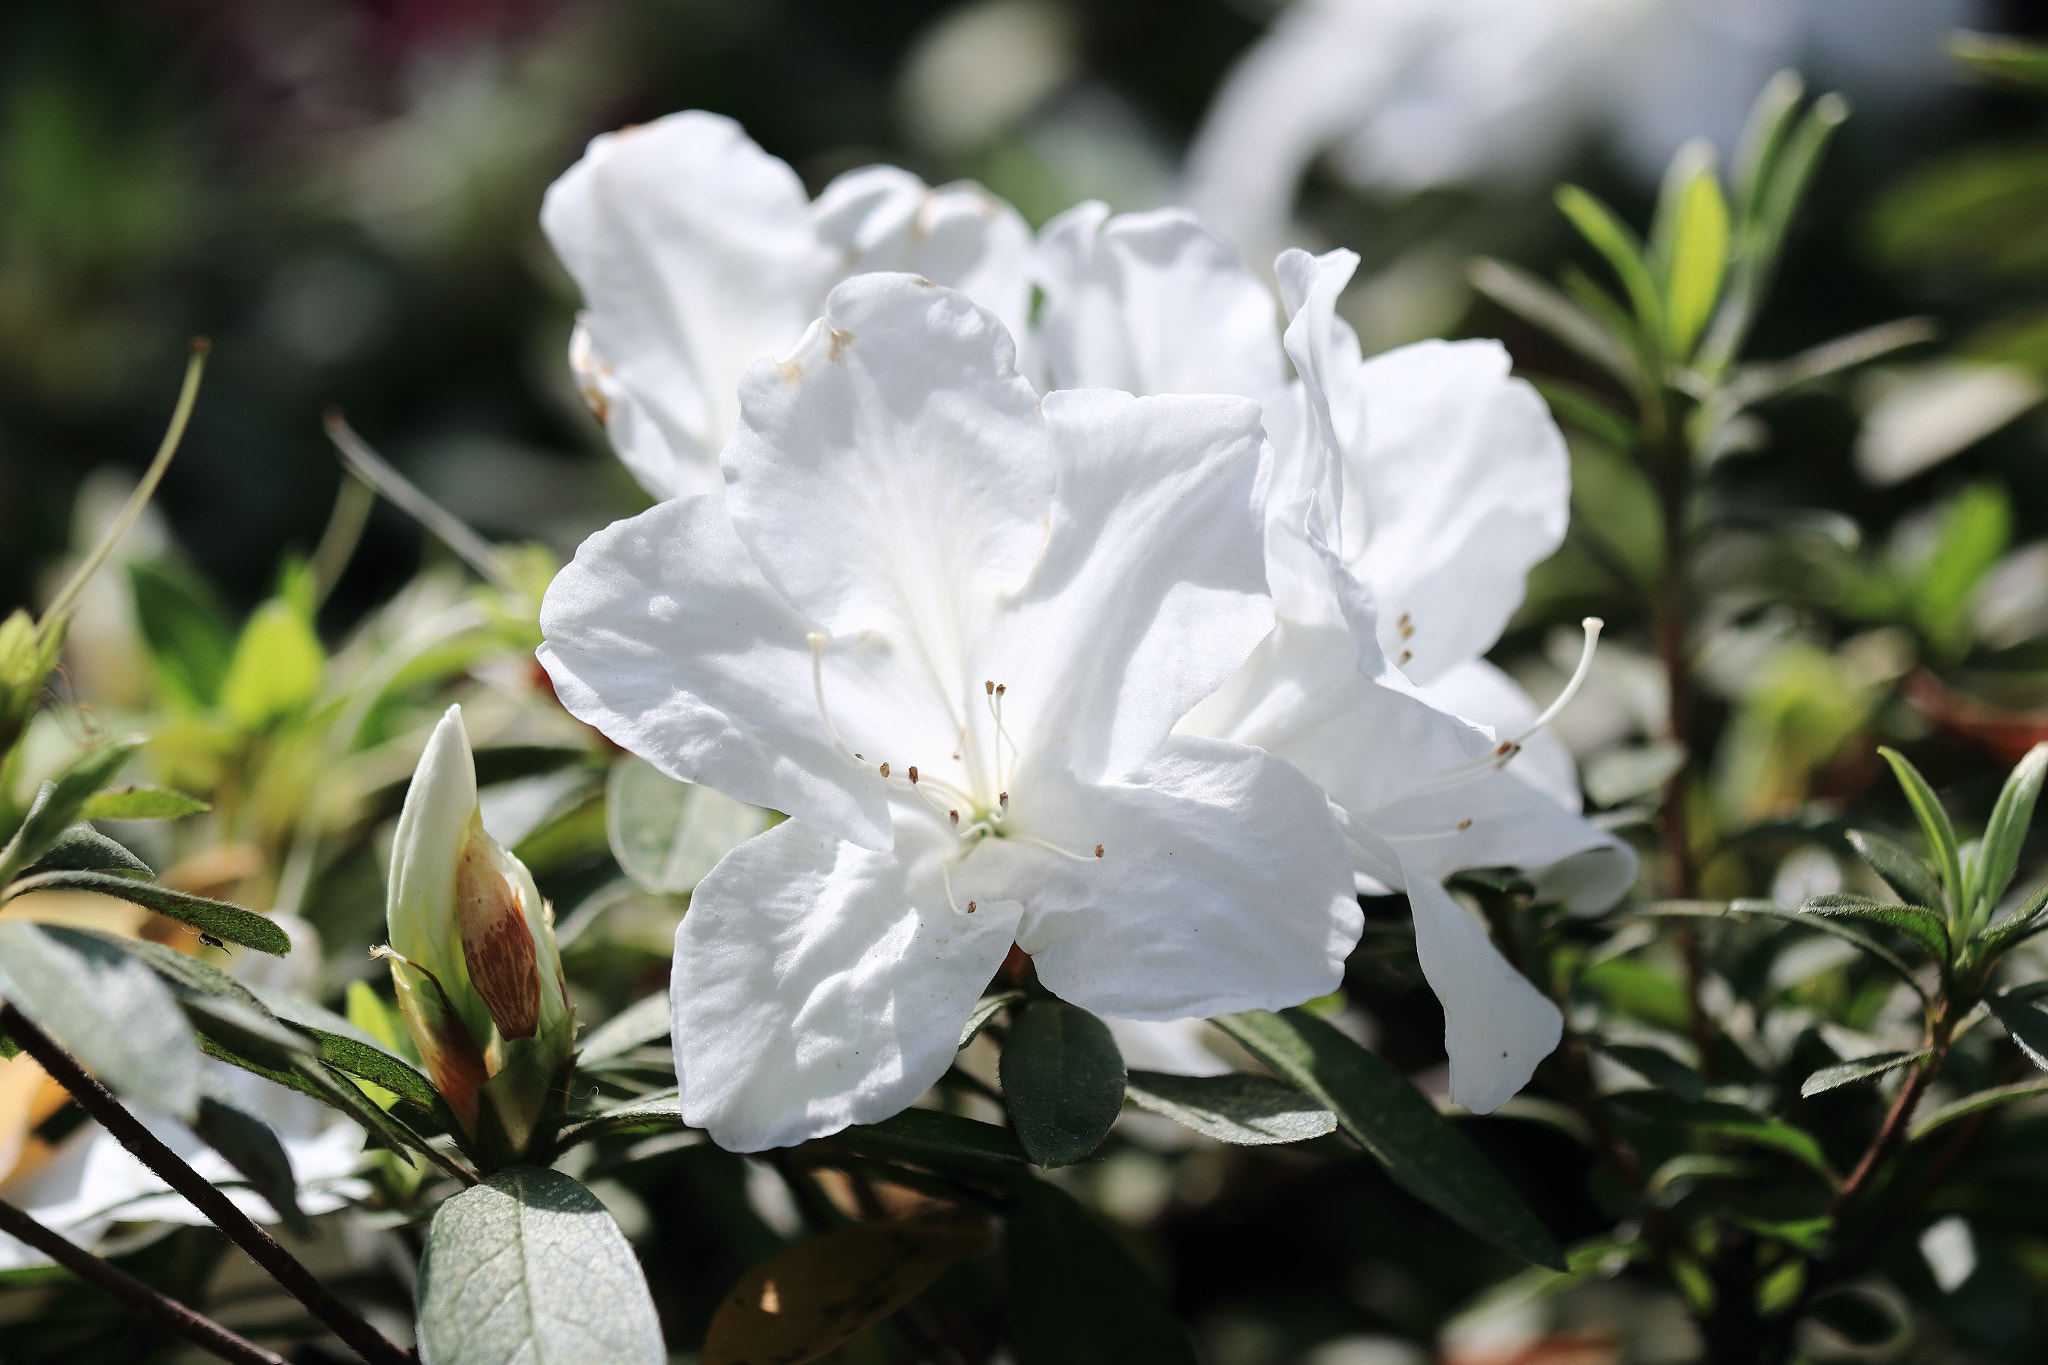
[{"x": 1053, "y": 610}]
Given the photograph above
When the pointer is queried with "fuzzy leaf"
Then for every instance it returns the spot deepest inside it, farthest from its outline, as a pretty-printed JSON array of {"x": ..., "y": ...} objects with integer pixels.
[
  {"x": 2006, "y": 831},
  {"x": 813, "y": 1297},
  {"x": 219, "y": 918},
  {"x": 927, "y": 1136},
  {"x": 1063, "y": 1080},
  {"x": 249, "y": 1145},
  {"x": 57, "y": 805},
  {"x": 1858, "y": 1069},
  {"x": 1924, "y": 927},
  {"x": 276, "y": 666},
  {"x": 986, "y": 1009},
  {"x": 81, "y": 848},
  {"x": 1993, "y": 1098},
  {"x": 1934, "y": 821},
  {"x": 529, "y": 1269},
  {"x": 1419, "y": 1147},
  {"x": 1903, "y": 872},
  {"x": 660, "y": 1111},
  {"x": 106, "y": 1009},
  {"x": 2027, "y": 1024},
  {"x": 1699, "y": 259},
  {"x": 143, "y": 803},
  {"x": 1237, "y": 1107}
]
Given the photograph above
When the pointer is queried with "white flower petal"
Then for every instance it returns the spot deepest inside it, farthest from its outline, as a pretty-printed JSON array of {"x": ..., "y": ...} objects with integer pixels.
[
  {"x": 432, "y": 828},
  {"x": 1497, "y": 1026},
  {"x": 695, "y": 254},
  {"x": 1460, "y": 486},
  {"x": 1153, "y": 303},
  {"x": 819, "y": 984},
  {"x": 1223, "y": 885},
  {"x": 664, "y": 636}
]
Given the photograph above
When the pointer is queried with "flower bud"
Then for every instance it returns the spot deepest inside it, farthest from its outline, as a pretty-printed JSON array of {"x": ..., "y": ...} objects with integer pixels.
[{"x": 473, "y": 956}]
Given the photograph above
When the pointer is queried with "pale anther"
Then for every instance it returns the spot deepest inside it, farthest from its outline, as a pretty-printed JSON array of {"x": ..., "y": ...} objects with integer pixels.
[
  {"x": 1098, "y": 850},
  {"x": 1465, "y": 823},
  {"x": 913, "y": 774},
  {"x": 885, "y": 770}
]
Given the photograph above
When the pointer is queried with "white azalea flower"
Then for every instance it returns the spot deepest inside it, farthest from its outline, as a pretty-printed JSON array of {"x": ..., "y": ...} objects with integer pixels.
[
  {"x": 949, "y": 627},
  {"x": 698, "y": 254},
  {"x": 1410, "y": 496},
  {"x": 1408, "y": 95}
]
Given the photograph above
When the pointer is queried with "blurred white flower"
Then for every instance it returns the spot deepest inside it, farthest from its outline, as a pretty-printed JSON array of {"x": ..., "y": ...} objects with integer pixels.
[
  {"x": 698, "y": 254},
  {"x": 1407, "y": 95},
  {"x": 1410, "y": 495},
  {"x": 949, "y": 627}
]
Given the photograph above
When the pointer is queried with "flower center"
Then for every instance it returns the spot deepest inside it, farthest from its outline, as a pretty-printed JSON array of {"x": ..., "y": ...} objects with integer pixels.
[{"x": 972, "y": 819}]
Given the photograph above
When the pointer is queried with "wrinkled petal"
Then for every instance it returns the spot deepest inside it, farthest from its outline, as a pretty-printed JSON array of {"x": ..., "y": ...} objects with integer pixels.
[
  {"x": 1460, "y": 486},
  {"x": 1223, "y": 885},
  {"x": 959, "y": 236},
  {"x": 695, "y": 255},
  {"x": 1497, "y": 1026},
  {"x": 818, "y": 984},
  {"x": 1153, "y": 303},
  {"x": 664, "y": 636}
]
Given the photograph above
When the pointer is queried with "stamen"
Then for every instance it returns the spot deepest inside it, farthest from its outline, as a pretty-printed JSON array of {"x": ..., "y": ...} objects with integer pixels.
[
  {"x": 818, "y": 641},
  {"x": 1592, "y": 625},
  {"x": 995, "y": 691},
  {"x": 1406, "y": 655},
  {"x": 1465, "y": 824},
  {"x": 1407, "y": 626},
  {"x": 1098, "y": 850},
  {"x": 885, "y": 770},
  {"x": 913, "y": 774},
  {"x": 955, "y": 818},
  {"x": 970, "y": 907},
  {"x": 1055, "y": 848}
]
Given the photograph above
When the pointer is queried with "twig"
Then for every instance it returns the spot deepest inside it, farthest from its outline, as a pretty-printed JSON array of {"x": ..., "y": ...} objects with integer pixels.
[
  {"x": 167, "y": 1313},
  {"x": 1887, "y": 1132},
  {"x": 365, "y": 1340}
]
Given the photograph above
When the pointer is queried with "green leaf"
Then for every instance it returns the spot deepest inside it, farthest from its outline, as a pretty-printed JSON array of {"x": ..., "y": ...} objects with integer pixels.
[
  {"x": 1658, "y": 1067},
  {"x": 1906, "y": 874},
  {"x": 1076, "y": 1296},
  {"x": 1529, "y": 298},
  {"x": 667, "y": 834},
  {"x": 1924, "y": 927},
  {"x": 1581, "y": 408},
  {"x": 1969, "y": 539},
  {"x": 1420, "y": 1148},
  {"x": 1822, "y": 923},
  {"x": 797, "y": 1306},
  {"x": 662, "y": 1110},
  {"x": 106, "y": 1009},
  {"x": 82, "y": 848},
  {"x": 276, "y": 668},
  {"x": 57, "y": 805},
  {"x": 1934, "y": 822},
  {"x": 189, "y": 639},
  {"x": 1998, "y": 54},
  {"x": 2027, "y": 1025},
  {"x": 1763, "y": 139},
  {"x": 1698, "y": 259},
  {"x": 920, "y": 1135},
  {"x": 1993, "y": 1098},
  {"x": 2028, "y": 919},
  {"x": 1248, "y": 1110},
  {"x": 645, "y": 1021},
  {"x": 219, "y": 918},
  {"x": 143, "y": 803},
  {"x": 1860, "y": 1069},
  {"x": 529, "y": 1269},
  {"x": 1612, "y": 238},
  {"x": 1063, "y": 1080},
  {"x": 985, "y": 1009},
  {"x": 1731, "y": 1121},
  {"x": 1861, "y": 1317},
  {"x": 249, "y": 1145},
  {"x": 2006, "y": 831},
  {"x": 346, "y": 1048}
]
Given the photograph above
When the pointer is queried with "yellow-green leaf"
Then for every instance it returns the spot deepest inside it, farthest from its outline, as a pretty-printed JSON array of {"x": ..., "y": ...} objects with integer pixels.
[
  {"x": 1699, "y": 260},
  {"x": 276, "y": 668},
  {"x": 813, "y": 1297}
]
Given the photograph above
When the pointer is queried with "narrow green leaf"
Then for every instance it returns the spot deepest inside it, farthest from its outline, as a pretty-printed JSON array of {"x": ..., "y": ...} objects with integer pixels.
[
  {"x": 1976, "y": 1104},
  {"x": 1237, "y": 1107},
  {"x": 189, "y": 639},
  {"x": 1076, "y": 1296},
  {"x": 645, "y": 1021},
  {"x": 1420, "y": 1148},
  {"x": 1658, "y": 1067},
  {"x": 249, "y": 1145},
  {"x": 2026, "y": 1023},
  {"x": 1999, "y": 54},
  {"x": 219, "y": 918},
  {"x": 529, "y": 1269},
  {"x": 106, "y": 1009},
  {"x": 1699, "y": 260},
  {"x": 928, "y": 1136},
  {"x": 2027, "y": 920},
  {"x": 1821, "y": 923},
  {"x": 1731, "y": 1121},
  {"x": 143, "y": 803},
  {"x": 1763, "y": 138},
  {"x": 1934, "y": 822},
  {"x": 57, "y": 805},
  {"x": 1859, "y": 1069},
  {"x": 276, "y": 667},
  {"x": 1063, "y": 1080},
  {"x": 81, "y": 848},
  {"x": 2006, "y": 831},
  {"x": 1924, "y": 927},
  {"x": 986, "y": 1009},
  {"x": 1577, "y": 407},
  {"x": 1612, "y": 239},
  {"x": 1785, "y": 183},
  {"x": 1970, "y": 537},
  {"x": 1906, "y": 874},
  {"x": 660, "y": 1111},
  {"x": 1529, "y": 298},
  {"x": 347, "y": 1048}
]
